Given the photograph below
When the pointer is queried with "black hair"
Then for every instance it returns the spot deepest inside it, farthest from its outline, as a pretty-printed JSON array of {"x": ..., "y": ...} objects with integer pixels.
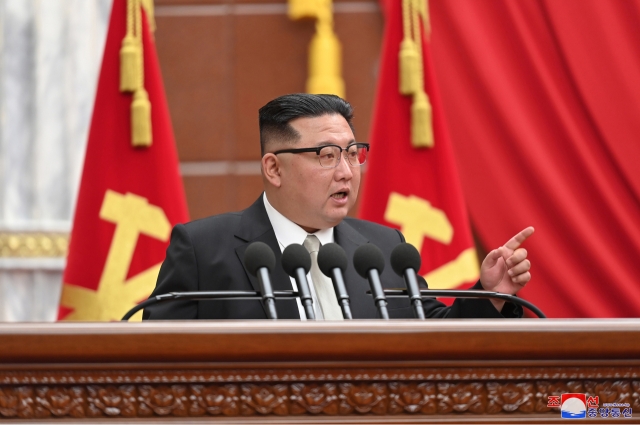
[{"x": 276, "y": 115}]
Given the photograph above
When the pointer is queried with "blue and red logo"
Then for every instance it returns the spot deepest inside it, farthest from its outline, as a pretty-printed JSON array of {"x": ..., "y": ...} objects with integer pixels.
[
  {"x": 573, "y": 406},
  {"x": 581, "y": 406}
]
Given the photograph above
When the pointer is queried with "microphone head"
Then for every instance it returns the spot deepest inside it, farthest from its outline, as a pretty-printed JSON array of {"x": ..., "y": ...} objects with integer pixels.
[
  {"x": 259, "y": 255},
  {"x": 332, "y": 256},
  {"x": 367, "y": 257},
  {"x": 295, "y": 256},
  {"x": 405, "y": 256}
]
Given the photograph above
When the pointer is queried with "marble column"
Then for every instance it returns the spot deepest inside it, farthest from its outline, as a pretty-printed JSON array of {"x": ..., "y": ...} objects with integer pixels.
[{"x": 50, "y": 55}]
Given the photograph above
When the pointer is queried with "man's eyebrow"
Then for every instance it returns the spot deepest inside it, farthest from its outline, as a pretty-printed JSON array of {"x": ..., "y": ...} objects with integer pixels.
[{"x": 327, "y": 143}]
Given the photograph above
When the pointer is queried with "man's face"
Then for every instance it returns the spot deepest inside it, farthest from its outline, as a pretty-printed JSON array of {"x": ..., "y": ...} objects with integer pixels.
[{"x": 312, "y": 196}]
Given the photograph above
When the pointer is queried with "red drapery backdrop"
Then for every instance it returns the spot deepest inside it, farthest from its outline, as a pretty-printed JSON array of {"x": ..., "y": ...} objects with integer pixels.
[{"x": 542, "y": 100}]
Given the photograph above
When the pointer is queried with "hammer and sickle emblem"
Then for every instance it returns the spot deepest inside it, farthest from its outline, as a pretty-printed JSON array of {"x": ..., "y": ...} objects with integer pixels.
[{"x": 132, "y": 215}]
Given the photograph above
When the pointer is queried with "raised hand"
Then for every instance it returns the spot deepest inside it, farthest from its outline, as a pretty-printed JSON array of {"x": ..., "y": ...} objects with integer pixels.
[{"x": 506, "y": 269}]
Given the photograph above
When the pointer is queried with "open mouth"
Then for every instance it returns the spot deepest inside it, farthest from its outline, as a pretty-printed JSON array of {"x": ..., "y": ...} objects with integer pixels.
[{"x": 339, "y": 195}]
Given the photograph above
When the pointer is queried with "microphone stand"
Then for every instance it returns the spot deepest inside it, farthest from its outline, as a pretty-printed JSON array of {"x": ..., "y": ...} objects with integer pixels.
[
  {"x": 267, "y": 292},
  {"x": 390, "y": 293},
  {"x": 341, "y": 293},
  {"x": 378, "y": 294},
  {"x": 305, "y": 293},
  {"x": 207, "y": 295},
  {"x": 466, "y": 293},
  {"x": 414, "y": 293}
]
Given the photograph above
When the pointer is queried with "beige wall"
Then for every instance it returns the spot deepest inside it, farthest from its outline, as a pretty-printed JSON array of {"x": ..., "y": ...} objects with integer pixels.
[{"x": 222, "y": 60}]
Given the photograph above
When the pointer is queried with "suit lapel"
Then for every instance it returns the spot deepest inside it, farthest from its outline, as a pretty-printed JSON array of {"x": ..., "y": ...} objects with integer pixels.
[
  {"x": 256, "y": 227},
  {"x": 350, "y": 239}
]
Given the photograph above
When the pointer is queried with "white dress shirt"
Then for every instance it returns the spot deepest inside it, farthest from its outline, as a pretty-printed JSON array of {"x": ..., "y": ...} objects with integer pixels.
[{"x": 288, "y": 232}]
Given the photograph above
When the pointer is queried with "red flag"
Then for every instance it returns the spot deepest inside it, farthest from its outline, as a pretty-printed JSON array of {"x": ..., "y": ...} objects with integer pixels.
[
  {"x": 130, "y": 197},
  {"x": 416, "y": 189}
]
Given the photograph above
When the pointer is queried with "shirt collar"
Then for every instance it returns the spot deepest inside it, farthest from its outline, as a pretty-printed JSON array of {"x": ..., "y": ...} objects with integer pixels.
[{"x": 287, "y": 232}]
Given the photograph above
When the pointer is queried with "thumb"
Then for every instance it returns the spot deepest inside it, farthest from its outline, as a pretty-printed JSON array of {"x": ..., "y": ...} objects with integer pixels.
[{"x": 493, "y": 257}]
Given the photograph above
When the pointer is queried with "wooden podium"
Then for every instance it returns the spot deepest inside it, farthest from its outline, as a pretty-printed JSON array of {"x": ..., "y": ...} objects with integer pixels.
[{"x": 435, "y": 371}]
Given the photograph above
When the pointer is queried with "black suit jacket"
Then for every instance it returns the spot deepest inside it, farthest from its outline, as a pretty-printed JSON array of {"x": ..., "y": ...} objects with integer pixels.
[{"x": 206, "y": 255}]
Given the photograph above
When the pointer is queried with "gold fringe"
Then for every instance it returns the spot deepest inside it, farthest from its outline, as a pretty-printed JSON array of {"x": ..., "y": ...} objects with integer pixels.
[
  {"x": 408, "y": 56},
  {"x": 141, "y": 119},
  {"x": 421, "y": 121},
  {"x": 412, "y": 72},
  {"x": 132, "y": 73},
  {"x": 149, "y": 8},
  {"x": 130, "y": 60},
  {"x": 409, "y": 74},
  {"x": 129, "y": 64},
  {"x": 422, "y": 6}
]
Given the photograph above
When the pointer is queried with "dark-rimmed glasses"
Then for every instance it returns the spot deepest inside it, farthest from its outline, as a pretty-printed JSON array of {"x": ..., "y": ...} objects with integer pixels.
[{"x": 330, "y": 155}]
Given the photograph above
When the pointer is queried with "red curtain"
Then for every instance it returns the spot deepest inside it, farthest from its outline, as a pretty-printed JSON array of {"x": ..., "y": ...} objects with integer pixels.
[{"x": 542, "y": 101}]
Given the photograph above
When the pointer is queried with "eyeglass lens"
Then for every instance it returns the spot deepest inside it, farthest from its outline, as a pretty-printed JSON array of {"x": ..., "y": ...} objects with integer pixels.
[{"x": 330, "y": 155}]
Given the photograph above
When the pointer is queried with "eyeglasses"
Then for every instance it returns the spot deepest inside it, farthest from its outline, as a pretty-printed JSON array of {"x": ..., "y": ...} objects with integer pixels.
[{"x": 330, "y": 155}]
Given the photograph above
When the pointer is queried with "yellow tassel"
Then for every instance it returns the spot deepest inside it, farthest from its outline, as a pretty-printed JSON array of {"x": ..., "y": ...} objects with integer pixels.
[
  {"x": 422, "y": 6},
  {"x": 129, "y": 64},
  {"x": 421, "y": 123},
  {"x": 409, "y": 70},
  {"x": 325, "y": 64},
  {"x": 149, "y": 8},
  {"x": 141, "y": 119}
]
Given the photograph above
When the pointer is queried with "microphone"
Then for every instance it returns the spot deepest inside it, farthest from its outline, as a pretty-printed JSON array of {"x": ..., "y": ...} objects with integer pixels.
[
  {"x": 296, "y": 261},
  {"x": 369, "y": 263},
  {"x": 259, "y": 261},
  {"x": 332, "y": 261},
  {"x": 405, "y": 261}
]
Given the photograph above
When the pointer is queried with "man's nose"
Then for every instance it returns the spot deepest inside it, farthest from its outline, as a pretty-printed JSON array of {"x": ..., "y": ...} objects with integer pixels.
[{"x": 343, "y": 170}]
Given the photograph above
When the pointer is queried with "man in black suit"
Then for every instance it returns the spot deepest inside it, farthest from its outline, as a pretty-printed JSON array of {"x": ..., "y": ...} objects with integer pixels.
[{"x": 311, "y": 174}]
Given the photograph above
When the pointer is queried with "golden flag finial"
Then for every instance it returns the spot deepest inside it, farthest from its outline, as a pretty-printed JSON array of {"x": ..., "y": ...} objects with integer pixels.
[{"x": 325, "y": 52}]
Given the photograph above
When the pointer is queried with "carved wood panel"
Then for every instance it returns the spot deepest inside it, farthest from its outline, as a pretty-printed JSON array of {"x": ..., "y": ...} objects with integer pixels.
[{"x": 354, "y": 397}]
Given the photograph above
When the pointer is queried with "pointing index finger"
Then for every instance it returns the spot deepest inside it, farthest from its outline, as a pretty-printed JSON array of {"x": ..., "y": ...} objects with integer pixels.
[{"x": 517, "y": 240}]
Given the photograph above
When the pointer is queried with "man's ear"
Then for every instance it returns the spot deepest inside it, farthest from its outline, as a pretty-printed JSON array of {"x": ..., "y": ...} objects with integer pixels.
[{"x": 271, "y": 169}]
